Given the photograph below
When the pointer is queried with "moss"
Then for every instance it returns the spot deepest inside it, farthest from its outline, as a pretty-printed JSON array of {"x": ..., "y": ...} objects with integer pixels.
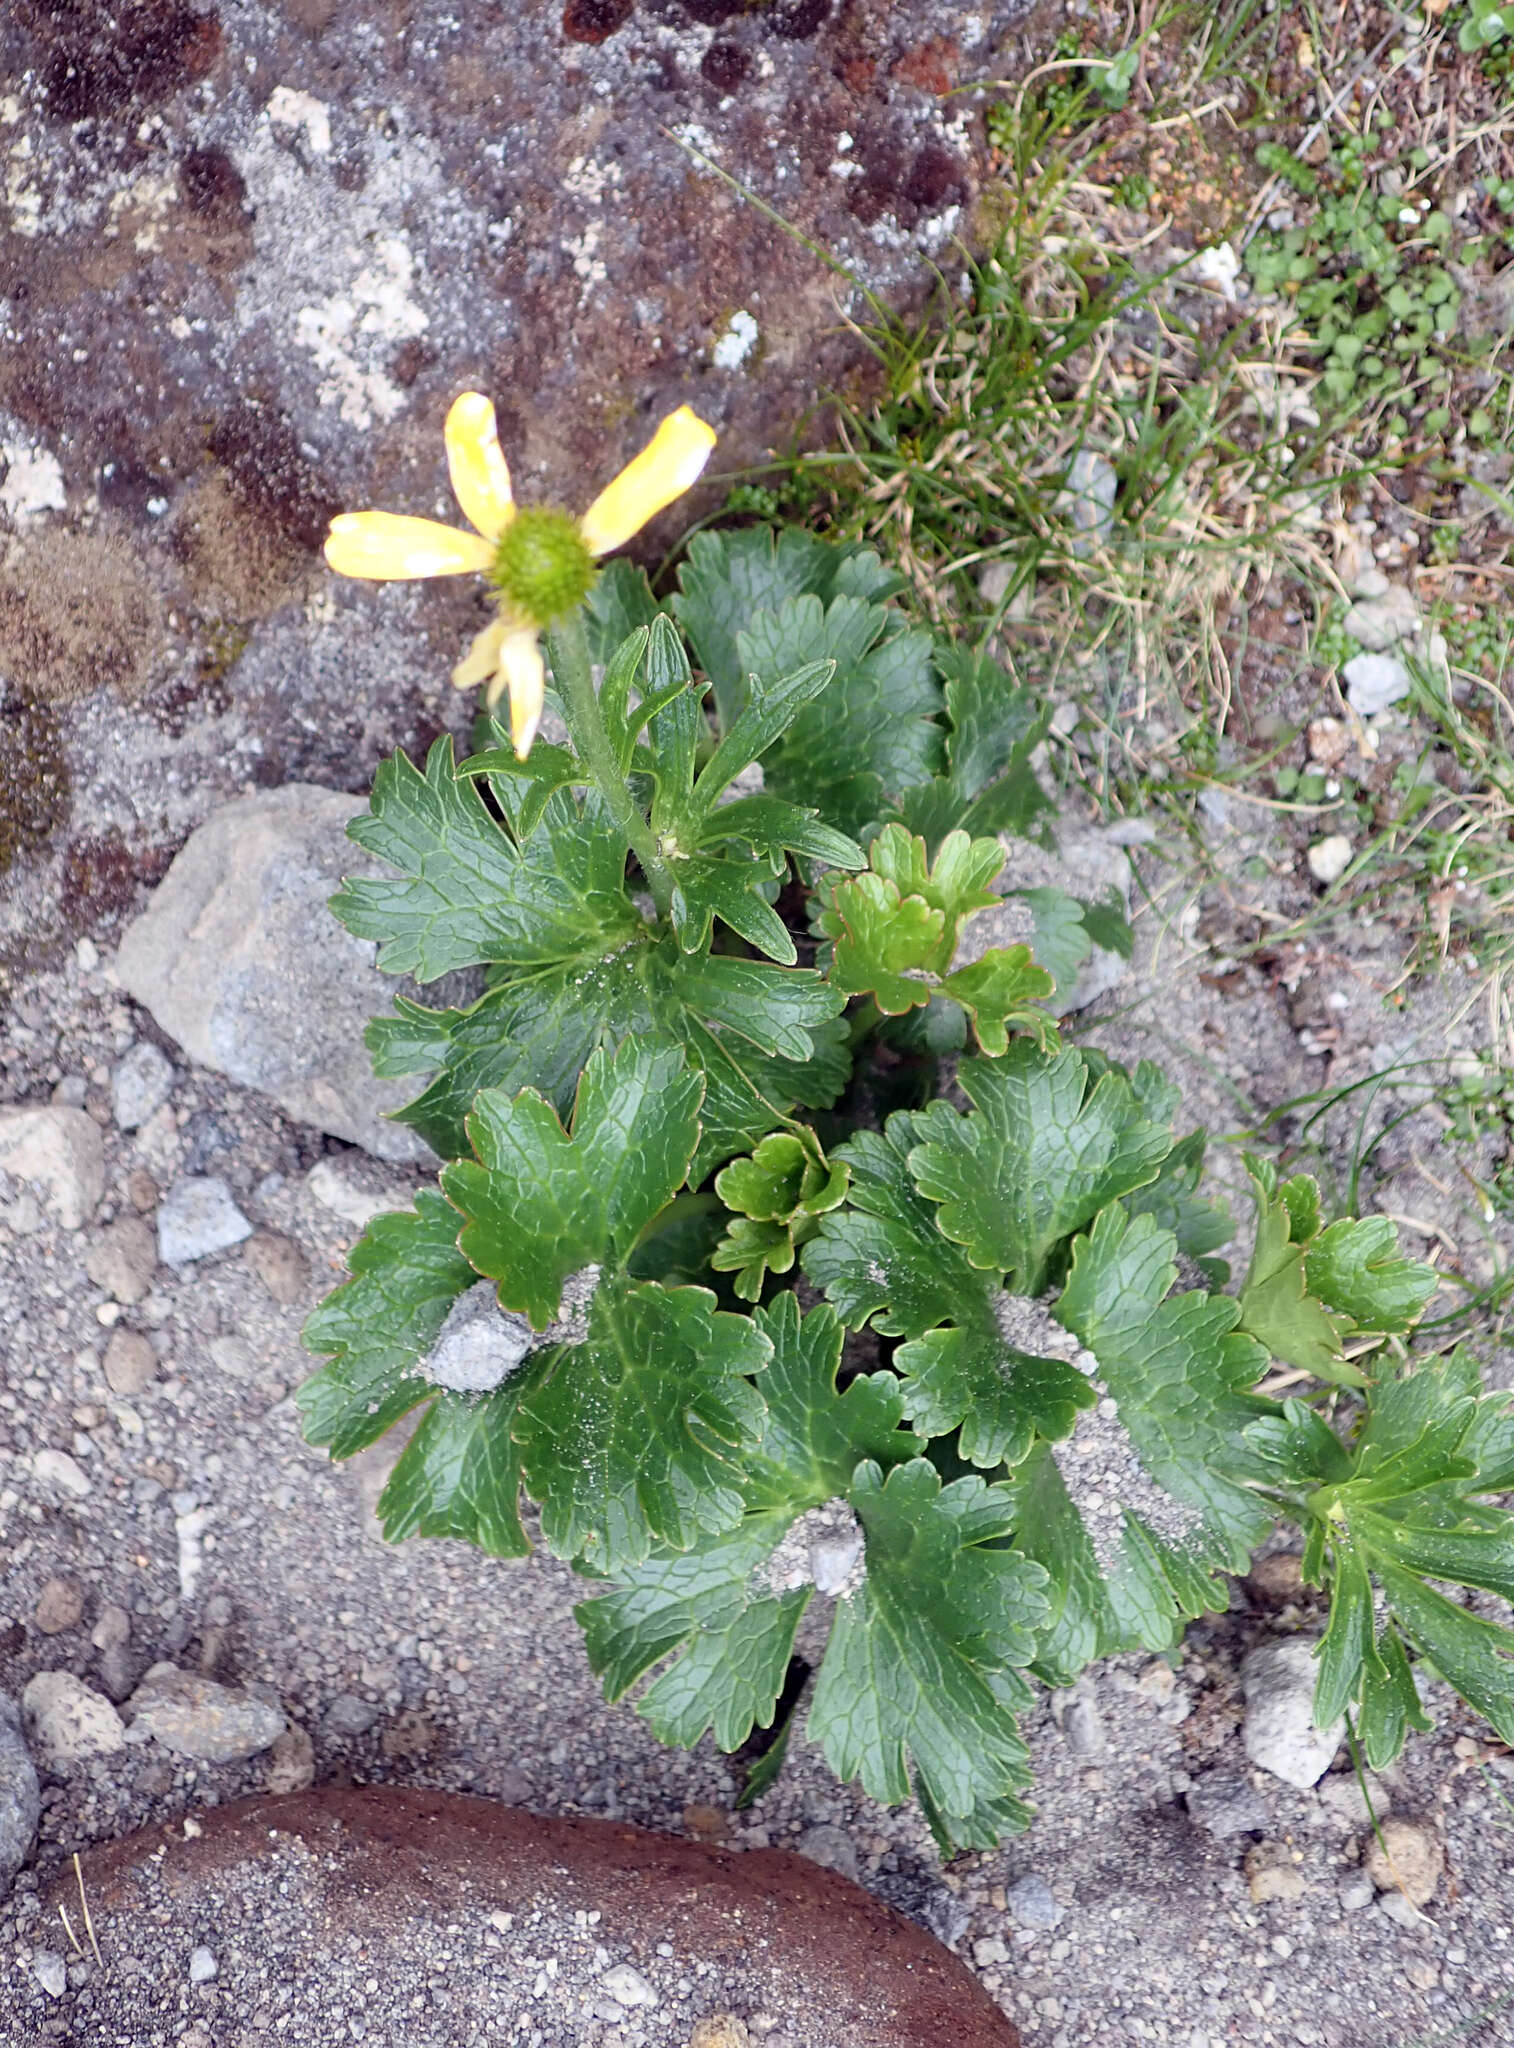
[{"x": 34, "y": 783}]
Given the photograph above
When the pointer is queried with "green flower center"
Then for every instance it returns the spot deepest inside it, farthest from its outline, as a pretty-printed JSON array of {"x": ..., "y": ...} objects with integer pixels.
[{"x": 542, "y": 566}]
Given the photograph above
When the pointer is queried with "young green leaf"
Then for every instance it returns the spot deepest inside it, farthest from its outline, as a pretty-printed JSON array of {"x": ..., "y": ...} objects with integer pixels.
[
  {"x": 780, "y": 1190},
  {"x": 730, "y": 577},
  {"x": 459, "y": 1475},
  {"x": 539, "y": 1205},
  {"x": 1046, "y": 1148}
]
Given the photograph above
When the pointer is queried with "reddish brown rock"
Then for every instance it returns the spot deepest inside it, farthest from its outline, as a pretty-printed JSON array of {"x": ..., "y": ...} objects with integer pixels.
[{"x": 774, "y": 1932}]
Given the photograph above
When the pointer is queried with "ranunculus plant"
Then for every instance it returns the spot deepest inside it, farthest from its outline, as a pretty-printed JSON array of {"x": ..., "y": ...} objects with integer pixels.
[{"x": 782, "y": 1254}]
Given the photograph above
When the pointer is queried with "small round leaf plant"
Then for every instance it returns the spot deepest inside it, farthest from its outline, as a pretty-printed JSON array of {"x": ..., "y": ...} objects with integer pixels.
[{"x": 783, "y": 1259}]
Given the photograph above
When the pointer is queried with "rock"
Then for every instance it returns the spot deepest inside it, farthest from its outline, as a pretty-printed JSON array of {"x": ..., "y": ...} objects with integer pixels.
[
  {"x": 61, "y": 1472},
  {"x": 202, "y": 1965},
  {"x": 720, "y": 2030},
  {"x": 1222, "y": 1803},
  {"x": 990, "y": 1952},
  {"x": 131, "y": 1364},
  {"x": 1278, "y": 1579},
  {"x": 69, "y": 1720},
  {"x": 1380, "y": 621},
  {"x": 627, "y": 1986},
  {"x": 291, "y": 1761},
  {"x": 197, "y": 1717},
  {"x": 1330, "y": 739},
  {"x": 59, "y": 1152},
  {"x": 350, "y": 1716},
  {"x": 1279, "y": 1731},
  {"x": 123, "y": 1259},
  {"x": 20, "y": 1798},
  {"x": 238, "y": 958},
  {"x": 1406, "y": 1856},
  {"x": 357, "y": 1196},
  {"x": 1087, "y": 499},
  {"x": 1029, "y": 1902},
  {"x": 831, "y": 1847},
  {"x": 111, "y": 1636},
  {"x": 479, "y": 1345},
  {"x": 279, "y": 1264},
  {"x": 1355, "y": 1893},
  {"x": 198, "y": 1217},
  {"x": 1373, "y": 682},
  {"x": 60, "y": 1606},
  {"x": 50, "y": 1971},
  {"x": 1342, "y": 1801},
  {"x": 1271, "y": 1873},
  {"x": 1083, "y": 1726},
  {"x": 1330, "y": 857},
  {"x": 141, "y": 1084}
]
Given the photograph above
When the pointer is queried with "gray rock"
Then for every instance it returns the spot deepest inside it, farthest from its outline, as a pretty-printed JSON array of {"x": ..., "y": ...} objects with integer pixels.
[
  {"x": 20, "y": 1799},
  {"x": 348, "y": 1715},
  {"x": 111, "y": 1636},
  {"x": 239, "y": 958},
  {"x": 50, "y": 1971},
  {"x": 279, "y": 1264},
  {"x": 198, "y": 1217},
  {"x": 1083, "y": 1726},
  {"x": 1223, "y": 1803},
  {"x": 202, "y": 1965},
  {"x": 627, "y": 1986},
  {"x": 479, "y": 1345},
  {"x": 1380, "y": 621},
  {"x": 197, "y": 1717},
  {"x": 1087, "y": 499},
  {"x": 1355, "y": 1893},
  {"x": 832, "y": 1847},
  {"x": 58, "y": 1151},
  {"x": 1030, "y": 1902},
  {"x": 1279, "y": 1731},
  {"x": 141, "y": 1084},
  {"x": 1373, "y": 682},
  {"x": 60, "y": 1472},
  {"x": 123, "y": 1259},
  {"x": 68, "y": 1720},
  {"x": 60, "y": 1606},
  {"x": 1402, "y": 1911},
  {"x": 1344, "y": 1804}
]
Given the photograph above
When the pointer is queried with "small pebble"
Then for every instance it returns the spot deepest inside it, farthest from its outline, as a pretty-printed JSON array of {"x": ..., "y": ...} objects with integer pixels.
[
  {"x": 124, "y": 1259},
  {"x": 1405, "y": 1858},
  {"x": 131, "y": 1364},
  {"x": 61, "y": 1472},
  {"x": 720, "y": 2030},
  {"x": 60, "y": 1606},
  {"x": 1029, "y": 1901},
  {"x": 141, "y": 1084},
  {"x": 49, "y": 1970},
  {"x": 1329, "y": 858},
  {"x": 1223, "y": 1803},
  {"x": 831, "y": 1847},
  {"x": 202, "y": 1965},
  {"x": 279, "y": 1264},
  {"x": 350, "y": 1716},
  {"x": 627, "y": 1986},
  {"x": 1356, "y": 1893},
  {"x": 1084, "y": 1728},
  {"x": 198, "y": 1217}
]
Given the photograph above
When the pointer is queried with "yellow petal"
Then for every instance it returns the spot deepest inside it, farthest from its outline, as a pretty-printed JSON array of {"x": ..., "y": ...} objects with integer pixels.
[
  {"x": 480, "y": 478},
  {"x": 663, "y": 471},
  {"x": 482, "y": 658},
  {"x": 521, "y": 672},
  {"x": 387, "y": 546}
]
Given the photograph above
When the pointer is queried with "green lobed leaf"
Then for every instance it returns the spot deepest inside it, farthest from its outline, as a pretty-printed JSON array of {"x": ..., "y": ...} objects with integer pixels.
[
  {"x": 772, "y": 828},
  {"x": 539, "y": 1204},
  {"x": 730, "y": 577},
  {"x": 1046, "y": 1148},
  {"x": 1355, "y": 1268},
  {"x": 1061, "y": 941},
  {"x": 924, "y": 1665},
  {"x": 730, "y": 1648},
  {"x": 620, "y": 604},
  {"x": 407, "y": 1272},
  {"x": 997, "y": 1394},
  {"x": 732, "y": 889},
  {"x": 460, "y": 1476},
  {"x": 468, "y": 892},
  {"x": 641, "y": 1433}
]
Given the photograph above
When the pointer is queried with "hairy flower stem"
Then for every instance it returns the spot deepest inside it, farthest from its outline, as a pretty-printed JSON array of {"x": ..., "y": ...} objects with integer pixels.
[{"x": 574, "y": 675}]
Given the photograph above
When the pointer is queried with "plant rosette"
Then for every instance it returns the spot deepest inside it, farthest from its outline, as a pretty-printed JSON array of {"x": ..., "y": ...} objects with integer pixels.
[{"x": 724, "y": 1042}]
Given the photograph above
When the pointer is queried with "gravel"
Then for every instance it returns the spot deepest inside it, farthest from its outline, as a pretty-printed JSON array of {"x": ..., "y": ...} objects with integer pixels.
[{"x": 1224, "y": 1804}]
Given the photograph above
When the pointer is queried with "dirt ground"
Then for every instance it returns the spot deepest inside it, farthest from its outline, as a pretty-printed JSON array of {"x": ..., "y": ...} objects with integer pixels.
[{"x": 237, "y": 1551}]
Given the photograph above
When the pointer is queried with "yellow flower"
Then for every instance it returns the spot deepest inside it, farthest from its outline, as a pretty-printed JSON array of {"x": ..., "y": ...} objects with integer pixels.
[{"x": 541, "y": 563}]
